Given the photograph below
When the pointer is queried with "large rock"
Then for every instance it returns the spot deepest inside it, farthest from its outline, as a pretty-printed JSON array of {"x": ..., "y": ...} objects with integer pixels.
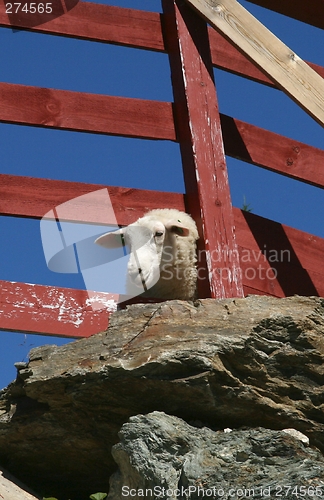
[
  {"x": 221, "y": 363},
  {"x": 161, "y": 456}
]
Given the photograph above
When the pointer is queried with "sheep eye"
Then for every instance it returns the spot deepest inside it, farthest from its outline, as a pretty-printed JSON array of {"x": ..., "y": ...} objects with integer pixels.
[{"x": 158, "y": 233}]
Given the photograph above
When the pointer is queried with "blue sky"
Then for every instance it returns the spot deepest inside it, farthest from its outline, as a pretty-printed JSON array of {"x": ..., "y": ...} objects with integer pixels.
[{"x": 63, "y": 63}]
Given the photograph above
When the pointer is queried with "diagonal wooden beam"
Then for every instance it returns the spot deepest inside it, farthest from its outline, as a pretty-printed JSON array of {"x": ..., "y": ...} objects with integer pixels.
[{"x": 272, "y": 56}]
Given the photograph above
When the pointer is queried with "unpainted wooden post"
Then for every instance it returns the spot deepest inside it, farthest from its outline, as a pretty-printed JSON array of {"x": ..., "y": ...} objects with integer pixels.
[{"x": 198, "y": 129}]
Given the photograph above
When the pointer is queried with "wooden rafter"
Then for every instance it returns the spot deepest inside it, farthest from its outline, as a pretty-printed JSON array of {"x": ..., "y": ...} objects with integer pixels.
[
  {"x": 272, "y": 56},
  {"x": 227, "y": 57}
]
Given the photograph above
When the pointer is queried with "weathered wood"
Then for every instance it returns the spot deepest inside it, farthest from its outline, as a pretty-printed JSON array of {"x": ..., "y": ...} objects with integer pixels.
[
  {"x": 227, "y": 57},
  {"x": 55, "y": 311},
  {"x": 81, "y": 111},
  {"x": 134, "y": 28},
  {"x": 199, "y": 132},
  {"x": 310, "y": 12},
  {"x": 272, "y": 56}
]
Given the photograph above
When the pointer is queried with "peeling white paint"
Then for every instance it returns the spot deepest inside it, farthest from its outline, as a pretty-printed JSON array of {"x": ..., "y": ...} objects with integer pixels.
[
  {"x": 208, "y": 260},
  {"x": 100, "y": 302},
  {"x": 44, "y": 305},
  {"x": 24, "y": 303},
  {"x": 69, "y": 311}
]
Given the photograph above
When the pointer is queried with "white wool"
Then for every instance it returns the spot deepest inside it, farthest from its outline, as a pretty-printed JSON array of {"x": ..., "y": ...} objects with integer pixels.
[{"x": 164, "y": 250}]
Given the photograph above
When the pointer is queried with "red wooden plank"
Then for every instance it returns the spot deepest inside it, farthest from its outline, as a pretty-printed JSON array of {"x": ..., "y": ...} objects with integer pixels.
[
  {"x": 310, "y": 12},
  {"x": 103, "y": 23},
  {"x": 296, "y": 257},
  {"x": 133, "y": 28},
  {"x": 272, "y": 151},
  {"x": 78, "y": 111},
  {"x": 55, "y": 311},
  {"x": 31, "y": 197},
  {"x": 199, "y": 131}
]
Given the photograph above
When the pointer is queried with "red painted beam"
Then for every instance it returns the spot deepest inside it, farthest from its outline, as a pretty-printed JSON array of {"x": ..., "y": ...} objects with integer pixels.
[
  {"x": 80, "y": 111},
  {"x": 310, "y": 12},
  {"x": 272, "y": 151},
  {"x": 31, "y": 197},
  {"x": 154, "y": 119},
  {"x": 47, "y": 310},
  {"x": 199, "y": 132},
  {"x": 277, "y": 259},
  {"x": 140, "y": 29},
  {"x": 103, "y": 23}
]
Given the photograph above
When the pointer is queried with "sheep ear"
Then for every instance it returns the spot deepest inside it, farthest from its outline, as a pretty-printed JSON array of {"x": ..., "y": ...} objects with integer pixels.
[
  {"x": 177, "y": 228},
  {"x": 114, "y": 239}
]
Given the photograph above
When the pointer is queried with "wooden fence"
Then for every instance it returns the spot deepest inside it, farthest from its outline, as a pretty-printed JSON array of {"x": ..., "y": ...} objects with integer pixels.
[{"x": 204, "y": 135}]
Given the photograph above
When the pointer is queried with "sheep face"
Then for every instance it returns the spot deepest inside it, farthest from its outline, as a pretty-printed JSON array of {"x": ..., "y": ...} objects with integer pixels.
[
  {"x": 145, "y": 254},
  {"x": 150, "y": 243}
]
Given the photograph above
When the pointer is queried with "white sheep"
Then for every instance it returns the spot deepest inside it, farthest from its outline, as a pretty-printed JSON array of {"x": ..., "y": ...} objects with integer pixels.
[{"x": 162, "y": 260}]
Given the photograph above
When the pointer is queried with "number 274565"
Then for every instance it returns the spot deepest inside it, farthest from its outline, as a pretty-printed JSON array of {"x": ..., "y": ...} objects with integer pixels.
[{"x": 29, "y": 8}]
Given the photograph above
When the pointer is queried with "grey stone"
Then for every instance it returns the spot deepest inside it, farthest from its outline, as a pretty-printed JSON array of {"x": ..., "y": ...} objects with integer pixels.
[
  {"x": 255, "y": 362},
  {"x": 161, "y": 456}
]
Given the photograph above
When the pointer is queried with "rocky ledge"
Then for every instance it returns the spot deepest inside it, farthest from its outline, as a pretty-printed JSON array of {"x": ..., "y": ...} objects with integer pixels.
[{"x": 232, "y": 363}]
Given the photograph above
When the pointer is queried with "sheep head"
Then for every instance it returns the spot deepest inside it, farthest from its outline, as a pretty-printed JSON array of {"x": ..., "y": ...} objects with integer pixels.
[{"x": 150, "y": 242}]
